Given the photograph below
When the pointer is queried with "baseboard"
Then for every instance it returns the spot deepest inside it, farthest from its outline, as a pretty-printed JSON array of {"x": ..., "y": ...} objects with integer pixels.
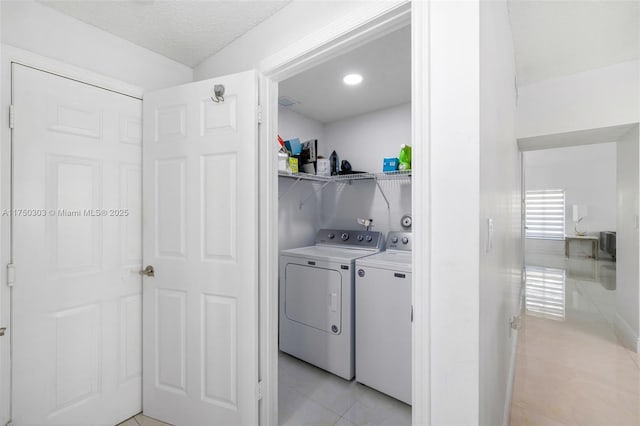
[
  {"x": 629, "y": 337},
  {"x": 512, "y": 377}
]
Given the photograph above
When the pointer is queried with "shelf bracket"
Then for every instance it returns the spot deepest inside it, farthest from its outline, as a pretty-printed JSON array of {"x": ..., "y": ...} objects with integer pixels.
[
  {"x": 302, "y": 203},
  {"x": 386, "y": 200},
  {"x": 289, "y": 188}
]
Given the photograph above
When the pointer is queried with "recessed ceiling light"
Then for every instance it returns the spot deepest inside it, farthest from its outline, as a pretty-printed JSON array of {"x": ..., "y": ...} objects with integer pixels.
[{"x": 352, "y": 79}]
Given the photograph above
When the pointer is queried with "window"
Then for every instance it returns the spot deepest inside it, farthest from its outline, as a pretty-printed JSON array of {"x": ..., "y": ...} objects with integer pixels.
[{"x": 544, "y": 214}]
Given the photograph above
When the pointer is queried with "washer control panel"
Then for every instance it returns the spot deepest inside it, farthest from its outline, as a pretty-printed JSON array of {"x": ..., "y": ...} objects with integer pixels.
[
  {"x": 399, "y": 241},
  {"x": 350, "y": 238}
]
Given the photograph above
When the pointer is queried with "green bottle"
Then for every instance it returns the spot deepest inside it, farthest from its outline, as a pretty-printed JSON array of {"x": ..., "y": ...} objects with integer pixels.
[{"x": 404, "y": 157}]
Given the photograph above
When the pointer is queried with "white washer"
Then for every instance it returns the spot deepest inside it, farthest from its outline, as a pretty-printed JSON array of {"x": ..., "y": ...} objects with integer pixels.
[
  {"x": 317, "y": 299},
  {"x": 383, "y": 318}
]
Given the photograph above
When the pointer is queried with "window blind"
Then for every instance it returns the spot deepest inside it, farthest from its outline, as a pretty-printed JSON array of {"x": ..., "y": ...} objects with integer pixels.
[{"x": 544, "y": 214}]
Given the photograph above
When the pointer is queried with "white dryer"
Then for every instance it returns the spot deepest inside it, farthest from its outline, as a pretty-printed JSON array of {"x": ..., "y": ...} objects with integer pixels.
[
  {"x": 317, "y": 298},
  {"x": 383, "y": 318}
]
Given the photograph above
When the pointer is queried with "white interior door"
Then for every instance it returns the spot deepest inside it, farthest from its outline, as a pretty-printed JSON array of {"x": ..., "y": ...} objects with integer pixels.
[
  {"x": 77, "y": 249},
  {"x": 200, "y": 316}
]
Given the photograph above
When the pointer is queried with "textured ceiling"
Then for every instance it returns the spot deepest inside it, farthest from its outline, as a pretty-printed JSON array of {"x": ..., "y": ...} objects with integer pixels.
[
  {"x": 385, "y": 65},
  {"x": 183, "y": 30},
  {"x": 557, "y": 38}
]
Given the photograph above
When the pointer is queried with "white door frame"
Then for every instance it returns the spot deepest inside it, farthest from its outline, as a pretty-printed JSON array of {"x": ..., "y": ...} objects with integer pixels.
[
  {"x": 11, "y": 55},
  {"x": 342, "y": 35}
]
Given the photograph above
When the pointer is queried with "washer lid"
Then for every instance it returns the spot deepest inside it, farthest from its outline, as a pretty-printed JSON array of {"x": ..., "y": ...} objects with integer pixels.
[
  {"x": 327, "y": 254},
  {"x": 394, "y": 260}
]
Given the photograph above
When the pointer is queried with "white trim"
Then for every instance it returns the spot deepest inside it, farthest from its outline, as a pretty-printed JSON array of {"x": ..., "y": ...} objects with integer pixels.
[
  {"x": 11, "y": 55},
  {"x": 376, "y": 20},
  {"x": 421, "y": 209},
  {"x": 268, "y": 249},
  {"x": 24, "y": 57},
  {"x": 506, "y": 417},
  {"x": 626, "y": 333}
]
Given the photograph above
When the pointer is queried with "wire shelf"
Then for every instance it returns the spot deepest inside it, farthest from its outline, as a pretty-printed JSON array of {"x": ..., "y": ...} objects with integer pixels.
[{"x": 400, "y": 174}]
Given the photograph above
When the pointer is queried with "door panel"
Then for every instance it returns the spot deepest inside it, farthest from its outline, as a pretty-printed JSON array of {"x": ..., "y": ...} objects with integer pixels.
[
  {"x": 200, "y": 234},
  {"x": 313, "y": 297},
  {"x": 77, "y": 296}
]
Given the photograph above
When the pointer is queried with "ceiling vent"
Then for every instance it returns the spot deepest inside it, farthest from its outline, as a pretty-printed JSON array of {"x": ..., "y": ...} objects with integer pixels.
[{"x": 286, "y": 101}]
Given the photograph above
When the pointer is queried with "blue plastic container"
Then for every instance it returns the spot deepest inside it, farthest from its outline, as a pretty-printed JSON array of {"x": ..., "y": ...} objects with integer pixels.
[{"x": 390, "y": 164}]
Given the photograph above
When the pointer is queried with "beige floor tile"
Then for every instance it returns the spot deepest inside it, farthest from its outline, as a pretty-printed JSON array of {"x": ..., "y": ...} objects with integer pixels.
[
  {"x": 129, "y": 422},
  {"x": 148, "y": 421},
  {"x": 575, "y": 371},
  {"x": 520, "y": 417}
]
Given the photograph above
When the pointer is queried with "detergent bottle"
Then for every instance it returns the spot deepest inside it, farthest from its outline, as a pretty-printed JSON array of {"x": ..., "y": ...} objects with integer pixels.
[
  {"x": 333, "y": 161},
  {"x": 404, "y": 157}
]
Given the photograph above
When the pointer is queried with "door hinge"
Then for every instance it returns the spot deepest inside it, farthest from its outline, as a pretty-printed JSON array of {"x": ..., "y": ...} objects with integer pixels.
[
  {"x": 11, "y": 274},
  {"x": 411, "y": 313},
  {"x": 259, "y": 114},
  {"x": 12, "y": 116},
  {"x": 259, "y": 390}
]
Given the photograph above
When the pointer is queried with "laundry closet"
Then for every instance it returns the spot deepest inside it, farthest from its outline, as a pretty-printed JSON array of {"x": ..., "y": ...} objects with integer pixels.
[{"x": 339, "y": 221}]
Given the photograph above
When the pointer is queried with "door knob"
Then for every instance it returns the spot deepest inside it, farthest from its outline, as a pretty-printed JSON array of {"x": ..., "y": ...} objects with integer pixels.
[
  {"x": 2, "y": 330},
  {"x": 148, "y": 271}
]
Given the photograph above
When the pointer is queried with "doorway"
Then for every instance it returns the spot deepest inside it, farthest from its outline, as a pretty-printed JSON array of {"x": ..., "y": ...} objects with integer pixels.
[
  {"x": 581, "y": 188},
  {"x": 362, "y": 125},
  {"x": 77, "y": 303}
]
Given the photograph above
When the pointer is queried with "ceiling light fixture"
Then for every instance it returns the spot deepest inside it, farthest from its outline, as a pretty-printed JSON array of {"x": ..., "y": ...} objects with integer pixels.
[{"x": 352, "y": 79}]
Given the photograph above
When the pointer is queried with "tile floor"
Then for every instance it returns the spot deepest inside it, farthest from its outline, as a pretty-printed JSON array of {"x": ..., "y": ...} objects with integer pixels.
[
  {"x": 571, "y": 367},
  {"x": 142, "y": 420},
  {"x": 310, "y": 396}
]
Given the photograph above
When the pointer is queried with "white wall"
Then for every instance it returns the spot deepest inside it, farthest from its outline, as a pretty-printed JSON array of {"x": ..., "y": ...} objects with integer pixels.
[
  {"x": 587, "y": 173},
  {"x": 628, "y": 254},
  {"x": 363, "y": 140},
  {"x": 367, "y": 139},
  {"x": 297, "y": 226},
  {"x": 39, "y": 29},
  {"x": 598, "y": 98},
  {"x": 33, "y": 27},
  {"x": 501, "y": 263},
  {"x": 4, "y": 346},
  {"x": 454, "y": 170},
  {"x": 293, "y": 125},
  {"x": 289, "y": 25}
]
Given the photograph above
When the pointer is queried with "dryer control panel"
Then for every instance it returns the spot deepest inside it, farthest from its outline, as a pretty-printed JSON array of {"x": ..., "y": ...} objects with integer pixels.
[
  {"x": 350, "y": 238},
  {"x": 399, "y": 241}
]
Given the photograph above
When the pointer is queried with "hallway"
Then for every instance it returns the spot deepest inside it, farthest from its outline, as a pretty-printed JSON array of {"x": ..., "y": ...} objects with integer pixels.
[{"x": 571, "y": 368}]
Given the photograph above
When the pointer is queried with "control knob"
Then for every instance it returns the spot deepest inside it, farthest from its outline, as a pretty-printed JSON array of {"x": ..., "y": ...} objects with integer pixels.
[
  {"x": 344, "y": 236},
  {"x": 330, "y": 235},
  {"x": 369, "y": 238},
  {"x": 405, "y": 240},
  {"x": 360, "y": 238},
  {"x": 394, "y": 240}
]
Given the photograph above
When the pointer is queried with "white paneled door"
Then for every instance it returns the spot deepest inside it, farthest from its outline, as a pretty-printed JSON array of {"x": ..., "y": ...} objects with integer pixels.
[
  {"x": 77, "y": 251},
  {"x": 200, "y": 318}
]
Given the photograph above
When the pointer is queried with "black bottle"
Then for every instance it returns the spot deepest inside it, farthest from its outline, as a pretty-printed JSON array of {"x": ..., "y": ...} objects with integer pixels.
[{"x": 333, "y": 163}]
